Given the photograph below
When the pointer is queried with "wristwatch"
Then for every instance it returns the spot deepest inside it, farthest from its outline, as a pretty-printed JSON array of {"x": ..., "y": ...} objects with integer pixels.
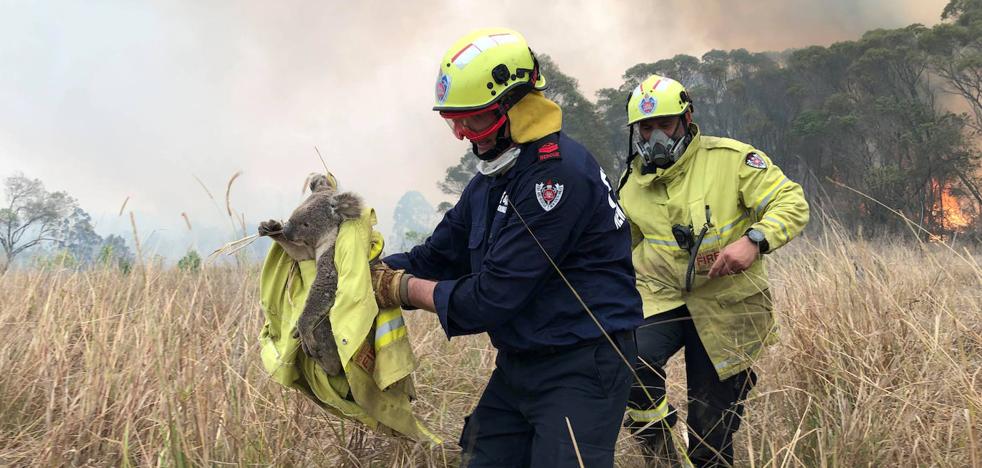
[{"x": 758, "y": 238}]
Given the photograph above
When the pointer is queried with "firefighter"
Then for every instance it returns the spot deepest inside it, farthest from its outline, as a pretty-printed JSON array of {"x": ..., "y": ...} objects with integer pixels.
[
  {"x": 483, "y": 270},
  {"x": 703, "y": 212}
]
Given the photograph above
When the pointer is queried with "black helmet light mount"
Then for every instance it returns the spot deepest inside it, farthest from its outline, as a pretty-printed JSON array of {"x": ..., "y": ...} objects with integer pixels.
[{"x": 502, "y": 75}]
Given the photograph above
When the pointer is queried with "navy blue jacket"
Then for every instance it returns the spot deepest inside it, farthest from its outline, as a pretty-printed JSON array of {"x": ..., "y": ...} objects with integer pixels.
[{"x": 494, "y": 278}]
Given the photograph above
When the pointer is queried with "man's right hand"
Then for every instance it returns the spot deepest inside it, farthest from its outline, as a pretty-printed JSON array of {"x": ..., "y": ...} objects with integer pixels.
[{"x": 390, "y": 286}]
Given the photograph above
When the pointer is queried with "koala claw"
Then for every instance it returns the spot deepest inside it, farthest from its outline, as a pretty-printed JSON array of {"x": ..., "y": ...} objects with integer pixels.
[
  {"x": 317, "y": 339},
  {"x": 270, "y": 227}
]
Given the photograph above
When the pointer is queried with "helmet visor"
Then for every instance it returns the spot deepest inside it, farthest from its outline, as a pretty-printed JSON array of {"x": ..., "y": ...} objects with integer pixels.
[{"x": 475, "y": 125}]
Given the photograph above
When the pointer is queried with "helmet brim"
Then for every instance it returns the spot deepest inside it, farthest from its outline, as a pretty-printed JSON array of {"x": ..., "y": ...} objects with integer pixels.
[
  {"x": 685, "y": 109},
  {"x": 540, "y": 85}
]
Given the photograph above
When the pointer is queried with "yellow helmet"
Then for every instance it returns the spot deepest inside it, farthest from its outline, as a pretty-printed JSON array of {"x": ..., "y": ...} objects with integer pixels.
[
  {"x": 657, "y": 96},
  {"x": 483, "y": 67}
]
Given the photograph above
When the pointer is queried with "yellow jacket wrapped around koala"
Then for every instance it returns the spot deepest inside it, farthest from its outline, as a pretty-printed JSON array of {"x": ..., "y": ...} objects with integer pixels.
[{"x": 376, "y": 356}]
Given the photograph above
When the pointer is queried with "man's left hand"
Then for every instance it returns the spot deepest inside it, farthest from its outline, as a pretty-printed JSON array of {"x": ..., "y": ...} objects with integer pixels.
[
  {"x": 389, "y": 285},
  {"x": 735, "y": 258}
]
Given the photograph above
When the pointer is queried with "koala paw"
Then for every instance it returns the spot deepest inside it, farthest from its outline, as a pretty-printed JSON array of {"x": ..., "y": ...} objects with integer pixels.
[
  {"x": 318, "y": 342},
  {"x": 267, "y": 228}
]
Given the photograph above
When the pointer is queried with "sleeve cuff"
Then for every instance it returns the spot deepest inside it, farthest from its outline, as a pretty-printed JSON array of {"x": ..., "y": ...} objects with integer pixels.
[
  {"x": 399, "y": 261},
  {"x": 441, "y": 299},
  {"x": 770, "y": 238}
]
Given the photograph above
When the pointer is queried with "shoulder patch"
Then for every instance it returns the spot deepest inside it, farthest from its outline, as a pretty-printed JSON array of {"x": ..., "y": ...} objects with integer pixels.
[
  {"x": 549, "y": 193},
  {"x": 754, "y": 160},
  {"x": 548, "y": 150}
]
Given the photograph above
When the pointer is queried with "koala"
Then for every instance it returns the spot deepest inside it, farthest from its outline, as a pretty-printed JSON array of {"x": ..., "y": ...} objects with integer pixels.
[{"x": 310, "y": 233}]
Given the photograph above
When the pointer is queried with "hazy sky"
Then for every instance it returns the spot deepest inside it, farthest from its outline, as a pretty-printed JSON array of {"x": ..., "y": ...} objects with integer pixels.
[{"x": 109, "y": 100}]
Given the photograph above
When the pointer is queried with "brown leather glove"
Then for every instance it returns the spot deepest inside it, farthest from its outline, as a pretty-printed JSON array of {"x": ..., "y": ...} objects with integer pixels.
[{"x": 391, "y": 286}]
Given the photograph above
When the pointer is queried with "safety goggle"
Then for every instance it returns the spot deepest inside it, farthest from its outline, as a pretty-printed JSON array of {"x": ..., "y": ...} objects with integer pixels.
[{"x": 475, "y": 125}]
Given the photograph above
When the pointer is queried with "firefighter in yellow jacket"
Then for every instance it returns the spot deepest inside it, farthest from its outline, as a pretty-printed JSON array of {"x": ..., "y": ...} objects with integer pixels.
[{"x": 703, "y": 211}]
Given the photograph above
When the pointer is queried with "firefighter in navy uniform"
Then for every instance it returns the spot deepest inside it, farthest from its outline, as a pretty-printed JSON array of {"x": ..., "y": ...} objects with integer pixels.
[
  {"x": 703, "y": 210},
  {"x": 482, "y": 270}
]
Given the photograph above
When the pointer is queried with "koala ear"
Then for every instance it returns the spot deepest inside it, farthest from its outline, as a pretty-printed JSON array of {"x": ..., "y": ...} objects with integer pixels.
[
  {"x": 348, "y": 205},
  {"x": 318, "y": 182}
]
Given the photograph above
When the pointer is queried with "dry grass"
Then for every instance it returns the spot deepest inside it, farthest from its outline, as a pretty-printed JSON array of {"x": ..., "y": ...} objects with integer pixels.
[{"x": 878, "y": 365}]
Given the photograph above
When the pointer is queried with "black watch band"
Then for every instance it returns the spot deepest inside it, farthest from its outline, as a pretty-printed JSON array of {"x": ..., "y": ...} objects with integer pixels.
[{"x": 758, "y": 238}]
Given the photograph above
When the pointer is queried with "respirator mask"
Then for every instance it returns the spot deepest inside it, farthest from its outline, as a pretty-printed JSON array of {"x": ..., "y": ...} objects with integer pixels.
[{"x": 660, "y": 151}]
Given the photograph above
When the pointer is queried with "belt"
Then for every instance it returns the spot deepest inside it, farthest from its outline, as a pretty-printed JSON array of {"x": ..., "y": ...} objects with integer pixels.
[{"x": 618, "y": 336}]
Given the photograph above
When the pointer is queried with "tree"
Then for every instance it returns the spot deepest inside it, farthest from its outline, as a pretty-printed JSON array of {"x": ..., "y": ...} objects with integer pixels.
[
  {"x": 31, "y": 216},
  {"x": 459, "y": 175},
  {"x": 190, "y": 262},
  {"x": 905, "y": 128},
  {"x": 60, "y": 259},
  {"x": 955, "y": 51},
  {"x": 443, "y": 208},
  {"x": 77, "y": 237},
  {"x": 115, "y": 254},
  {"x": 964, "y": 12},
  {"x": 580, "y": 118},
  {"x": 412, "y": 239},
  {"x": 413, "y": 216},
  {"x": 612, "y": 117}
]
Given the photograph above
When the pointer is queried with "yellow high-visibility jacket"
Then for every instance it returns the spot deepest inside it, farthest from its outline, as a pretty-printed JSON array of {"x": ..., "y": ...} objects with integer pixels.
[
  {"x": 376, "y": 386},
  {"x": 743, "y": 189}
]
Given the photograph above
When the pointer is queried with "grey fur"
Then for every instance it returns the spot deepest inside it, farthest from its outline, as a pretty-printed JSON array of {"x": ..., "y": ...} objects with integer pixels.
[{"x": 310, "y": 233}]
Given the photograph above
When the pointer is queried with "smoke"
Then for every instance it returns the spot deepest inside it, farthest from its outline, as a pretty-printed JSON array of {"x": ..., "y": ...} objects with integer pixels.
[{"x": 113, "y": 99}]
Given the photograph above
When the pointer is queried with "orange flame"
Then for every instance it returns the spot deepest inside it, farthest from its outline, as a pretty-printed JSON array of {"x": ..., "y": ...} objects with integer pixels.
[{"x": 953, "y": 217}]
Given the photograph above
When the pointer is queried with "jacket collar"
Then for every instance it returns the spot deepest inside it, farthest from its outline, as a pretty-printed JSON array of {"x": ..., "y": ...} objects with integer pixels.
[
  {"x": 534, "y": 117},
  {"x": 529, "y": 155},
  {"x": 533, "y": 121}
]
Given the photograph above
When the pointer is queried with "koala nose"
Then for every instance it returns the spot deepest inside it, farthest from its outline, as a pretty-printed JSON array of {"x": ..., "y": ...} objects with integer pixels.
[{"x": 288, "y": 231}]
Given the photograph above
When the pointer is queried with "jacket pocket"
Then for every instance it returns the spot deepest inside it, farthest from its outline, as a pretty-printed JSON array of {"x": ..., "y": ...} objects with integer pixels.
[
  {"x": 611, "y": 370},
  {"x": 476, "y": 237},
  {"x": 730, "y": 298}
]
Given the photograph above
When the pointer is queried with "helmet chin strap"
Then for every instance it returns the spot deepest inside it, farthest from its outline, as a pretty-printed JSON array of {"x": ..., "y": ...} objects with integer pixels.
[{"x": 501, "y": 143}]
